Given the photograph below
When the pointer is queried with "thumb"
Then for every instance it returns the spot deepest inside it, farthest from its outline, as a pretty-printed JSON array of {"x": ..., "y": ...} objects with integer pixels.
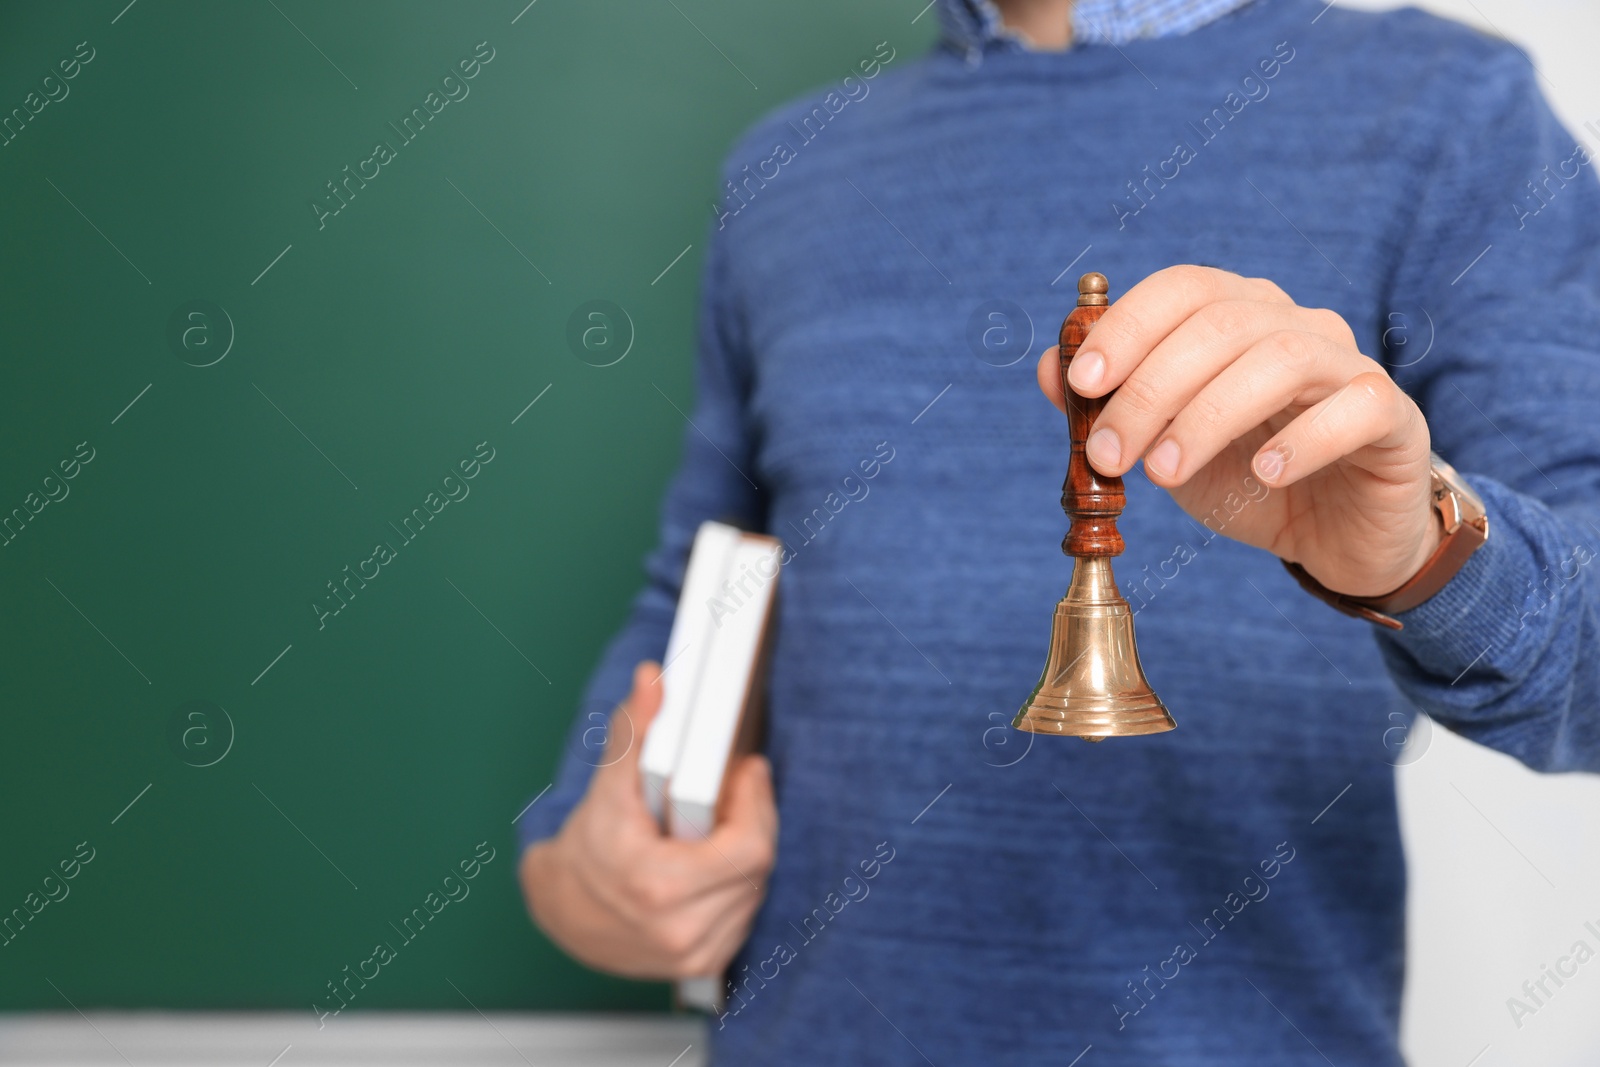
[
  {"x": 748, "y": 831},
  {"x": 630, "y": 721},
  {"x": 617, "y": 770}
]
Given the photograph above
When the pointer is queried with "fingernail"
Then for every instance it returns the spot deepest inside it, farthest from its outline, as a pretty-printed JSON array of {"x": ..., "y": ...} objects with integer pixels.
[
  {"x": 1086, "y": 370},
  {"x": 1269, "y": 464},
  {"x": 1104, "y": 449},
  {"x": 1163, "y": 459}
]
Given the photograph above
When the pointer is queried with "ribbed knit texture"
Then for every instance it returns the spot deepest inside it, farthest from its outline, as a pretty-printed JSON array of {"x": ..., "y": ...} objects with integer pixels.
[{"x": 1032, "y": 881}]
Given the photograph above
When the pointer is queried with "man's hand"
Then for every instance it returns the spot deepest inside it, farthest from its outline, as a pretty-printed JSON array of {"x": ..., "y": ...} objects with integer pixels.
[
  {"x": 1224, "y": 385},
  {"x": 620, "y": 897}
]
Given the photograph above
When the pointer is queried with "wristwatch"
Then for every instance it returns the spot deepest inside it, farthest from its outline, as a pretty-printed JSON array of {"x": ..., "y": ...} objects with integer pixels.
[{"x": 1466, "y": 526}]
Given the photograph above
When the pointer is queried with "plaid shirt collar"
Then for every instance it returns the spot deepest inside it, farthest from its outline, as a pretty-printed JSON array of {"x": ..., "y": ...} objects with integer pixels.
[{"x": 970, "y": 26}]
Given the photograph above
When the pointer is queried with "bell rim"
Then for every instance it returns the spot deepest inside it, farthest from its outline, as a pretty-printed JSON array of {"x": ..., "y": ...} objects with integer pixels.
[{"x": 1145, "y": 717}]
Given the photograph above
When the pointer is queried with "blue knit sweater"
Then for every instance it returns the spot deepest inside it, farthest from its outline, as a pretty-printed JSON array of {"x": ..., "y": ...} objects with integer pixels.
[{"x": 1231, "y": 893}]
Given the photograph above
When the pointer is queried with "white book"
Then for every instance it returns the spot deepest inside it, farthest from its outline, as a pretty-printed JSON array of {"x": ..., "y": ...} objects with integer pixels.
[
  {"x": 703, "y": 994},
  {"x": 710, "y": 711},
  {"x": 713, "y": 544},
  {"x": 725, "y": 720}
]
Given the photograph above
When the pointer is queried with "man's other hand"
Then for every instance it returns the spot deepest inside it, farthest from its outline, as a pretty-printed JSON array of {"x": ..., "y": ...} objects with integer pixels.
[{"x": 619, "y": 896}]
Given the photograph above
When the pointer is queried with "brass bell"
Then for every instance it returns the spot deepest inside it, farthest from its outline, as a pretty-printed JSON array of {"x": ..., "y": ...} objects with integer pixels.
[{"x": 1093, "y": 685}]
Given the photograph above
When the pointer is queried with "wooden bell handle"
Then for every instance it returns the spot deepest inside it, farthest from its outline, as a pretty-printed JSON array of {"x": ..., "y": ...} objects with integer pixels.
[{"x": 1091, "y": 500}]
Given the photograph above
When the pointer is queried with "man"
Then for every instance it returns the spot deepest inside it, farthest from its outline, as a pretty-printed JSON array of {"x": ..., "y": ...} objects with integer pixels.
[{"x": 1401, "y": 249}]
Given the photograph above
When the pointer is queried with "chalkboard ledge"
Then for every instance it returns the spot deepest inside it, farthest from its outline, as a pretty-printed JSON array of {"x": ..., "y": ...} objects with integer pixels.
[{"x": 292, "y": 1039}]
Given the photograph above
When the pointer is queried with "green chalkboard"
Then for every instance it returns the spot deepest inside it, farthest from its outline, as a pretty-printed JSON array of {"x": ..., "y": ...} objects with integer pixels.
[{"x": 243, "y": 347}]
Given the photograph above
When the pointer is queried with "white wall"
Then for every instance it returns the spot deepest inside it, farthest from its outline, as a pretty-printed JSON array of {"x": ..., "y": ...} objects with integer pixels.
[{"x": 1483, "y": 917}]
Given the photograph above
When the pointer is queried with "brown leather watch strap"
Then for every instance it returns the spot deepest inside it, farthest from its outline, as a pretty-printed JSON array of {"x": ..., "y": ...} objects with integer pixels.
[{"x": 1466, "y": 527}]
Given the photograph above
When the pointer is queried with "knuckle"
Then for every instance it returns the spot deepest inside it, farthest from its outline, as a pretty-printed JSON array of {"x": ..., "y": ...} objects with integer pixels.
[
  {"x": 1206, "y": 414},
  {"x": 1371, "y": 402},
  {"x": 1268, "y": 289},
  {"x": 1331, "y": 324},
  {"x": 651, "y": 889},
  {"x": 1295, "y": 351},
  {"x": 1227, "y": 318},
  {"x": 1191, "y": 279},
  {"x": 679, "y": 939},
  {"x": 634, "y": 881},
  {"x": 654, "y": 895}
]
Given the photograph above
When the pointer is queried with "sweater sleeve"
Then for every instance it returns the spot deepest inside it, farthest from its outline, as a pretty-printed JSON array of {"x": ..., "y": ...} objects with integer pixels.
[
  {"x": 1504, "y": 261},
  {"x": 714, "y": 481}
]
